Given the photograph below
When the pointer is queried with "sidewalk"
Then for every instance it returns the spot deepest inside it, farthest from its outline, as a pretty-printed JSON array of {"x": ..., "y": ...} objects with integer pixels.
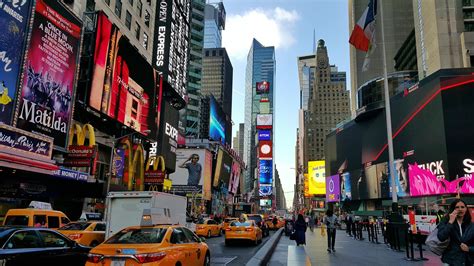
[{"x": 348, "y": 252}]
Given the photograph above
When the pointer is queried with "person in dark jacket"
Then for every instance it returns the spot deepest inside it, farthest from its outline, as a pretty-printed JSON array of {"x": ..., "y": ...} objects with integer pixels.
[
  {"x": 300, "y": 230},
  {"x": 456, "y": 225}
]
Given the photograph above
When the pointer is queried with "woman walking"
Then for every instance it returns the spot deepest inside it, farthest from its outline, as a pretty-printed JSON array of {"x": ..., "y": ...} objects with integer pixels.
[
  {"x": 457, "y": 227},
  {"x": 330, "y": 220},
  {"x": 300, "y": 230}
]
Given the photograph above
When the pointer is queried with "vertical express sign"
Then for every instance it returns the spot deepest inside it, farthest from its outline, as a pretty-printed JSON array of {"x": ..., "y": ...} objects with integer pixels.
[{"x": 170, "y": 46}]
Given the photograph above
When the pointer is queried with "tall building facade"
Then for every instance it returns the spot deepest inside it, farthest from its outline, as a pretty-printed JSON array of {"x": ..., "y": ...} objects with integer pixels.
[
  {"x": 280, "y": 200},
  {"x": 328, "y": 106},
  {"x": 260, "y": 68},
  {"x": 190, "y": 116},
  {"x": 398, "y": 24},
  {"x": 214, "y": 23},
  {"x": 240, "y": 135},
  {"x": 217, "y": 80}
]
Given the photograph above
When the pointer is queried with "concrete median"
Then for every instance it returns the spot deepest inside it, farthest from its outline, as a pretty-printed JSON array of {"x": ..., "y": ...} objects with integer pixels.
[{"x": 264, "y": 254}]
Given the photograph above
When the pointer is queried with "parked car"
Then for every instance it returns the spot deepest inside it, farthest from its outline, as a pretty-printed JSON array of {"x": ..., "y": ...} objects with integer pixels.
[
  {"x": 85, "y": 233},
  {"x": 39, "y": 246}
]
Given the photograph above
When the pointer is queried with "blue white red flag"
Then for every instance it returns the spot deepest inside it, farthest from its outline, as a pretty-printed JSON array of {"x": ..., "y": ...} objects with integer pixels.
[{"x": 362, "y": 35}]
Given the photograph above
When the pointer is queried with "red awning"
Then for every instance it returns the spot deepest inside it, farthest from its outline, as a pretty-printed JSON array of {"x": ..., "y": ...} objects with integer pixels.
[{"x": 27, "y": 164}]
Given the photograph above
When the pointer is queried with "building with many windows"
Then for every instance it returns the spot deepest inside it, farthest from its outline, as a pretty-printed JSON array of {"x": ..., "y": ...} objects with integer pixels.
[{"x": 214, "y": 23}]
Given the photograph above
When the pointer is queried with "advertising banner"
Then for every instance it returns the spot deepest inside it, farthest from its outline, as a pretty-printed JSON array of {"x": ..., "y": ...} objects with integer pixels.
[
  {"x": 317, "y": 177},
  {"x": 266, "y": 172},
  {"x": 264, "y": 121},
  {"x": 120, "y": 89},
  {"x": 25, "y": 143},
  {"x": 264, "y": 134},
  {"x": 265, "y": 190},
  {"x": 70, "y": 174},
  {"x": 263, "y": 87},
  {"x": 264, "y": 106},
  {"x": 346, "y": 192},
  {"x": 171, "y": 40},
  {"x": 118, "y": 163},
  {"x": 45, "y": 104},
  {"x": 266, "y": 202},
  {"x": 193, "y": 172},
  {"x": 168, "y": 135},
  {"x": 216, "y": 121},
  {"x": 306, "y": 186},
  {"x": 14, "y": 19},
  {"x": 223, "y": 170},
  {"x": 265, "y": 150},
  {"x": 234, "y": 178},
  {"x": 333, "y": 192}
]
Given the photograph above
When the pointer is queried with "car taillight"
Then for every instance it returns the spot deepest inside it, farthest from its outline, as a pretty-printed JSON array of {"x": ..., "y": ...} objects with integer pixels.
[
  {"x": 94, "y": 258},
  {"x": 227, "y": 229},
  {"x": 200, "y": 227},
  {"x": 75, "y": 236},
  {"x": 150, "y": 257},
  {"x": 249, "y": 229}
]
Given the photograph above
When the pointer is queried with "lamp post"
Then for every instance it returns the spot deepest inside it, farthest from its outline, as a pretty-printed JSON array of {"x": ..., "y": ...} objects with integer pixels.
[{"x": 114, "y": 141}]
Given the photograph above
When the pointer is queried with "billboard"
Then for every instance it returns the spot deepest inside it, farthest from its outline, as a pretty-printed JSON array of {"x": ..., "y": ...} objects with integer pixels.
[
  {"x": 262, "y": 87},
  {"x": 235, "y": 177},
  {"x": 316, "y": 178},
  {"x": 264, "y": 134},
  {"x": 45, "y": 103},
  {"x": 13, "y": 26},
  {"x": 306, "y": 186},
  {"x": 193, "y": 172},
  {"x": 346, "y": 191},
  {"x": 217, "y": 120},
  {"x": 168, "y": 135},
  {"x": 266, "y": 202},
  {"x": 223, "y": 169},
  {"x": 120, "y": 89},
  {"x": 171, "y": 42},
  {"x": 264, "y": 106},
  {"x": 265, "y": 172},
  {"x": 333, "y": 192},
  {"x": 264, "y": 121},
  {"x": 265, "y": 190},
  {"x": 265, "y": 149}
]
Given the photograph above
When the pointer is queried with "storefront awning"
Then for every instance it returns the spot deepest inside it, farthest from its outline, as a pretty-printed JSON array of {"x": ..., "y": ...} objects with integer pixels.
[{"x": 26, "y": 164}]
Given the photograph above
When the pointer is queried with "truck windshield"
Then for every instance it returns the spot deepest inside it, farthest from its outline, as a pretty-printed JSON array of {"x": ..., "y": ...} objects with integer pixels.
[
  {"x": 16, "y": 220},
  {"x": 138, "y": 236}
]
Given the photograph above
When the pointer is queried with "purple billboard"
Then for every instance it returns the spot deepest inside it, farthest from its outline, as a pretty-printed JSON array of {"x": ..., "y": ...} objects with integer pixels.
[{"x": 333, "y": 189}]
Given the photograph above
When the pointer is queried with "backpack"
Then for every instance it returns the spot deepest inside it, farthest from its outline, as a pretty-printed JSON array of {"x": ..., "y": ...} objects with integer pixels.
[{"x": 434, "y": 244}]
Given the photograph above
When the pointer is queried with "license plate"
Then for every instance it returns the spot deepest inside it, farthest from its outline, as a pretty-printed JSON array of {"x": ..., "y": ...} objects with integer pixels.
[{"x": 118, "y": 263}]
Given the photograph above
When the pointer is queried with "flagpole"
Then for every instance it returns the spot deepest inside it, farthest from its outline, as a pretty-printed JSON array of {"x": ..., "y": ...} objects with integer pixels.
[{"x": 388, "y": 119}]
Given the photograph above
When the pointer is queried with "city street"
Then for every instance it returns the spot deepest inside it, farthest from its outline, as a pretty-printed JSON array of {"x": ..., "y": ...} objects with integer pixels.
[{"x": 238, "y": 253}]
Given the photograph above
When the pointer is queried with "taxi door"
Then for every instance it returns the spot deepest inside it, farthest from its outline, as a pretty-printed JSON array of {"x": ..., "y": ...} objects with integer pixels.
[
  {"x": 214, "y": 227},
  {"x": 196, "y": 249},
  {"x": 180, "y": 243}
]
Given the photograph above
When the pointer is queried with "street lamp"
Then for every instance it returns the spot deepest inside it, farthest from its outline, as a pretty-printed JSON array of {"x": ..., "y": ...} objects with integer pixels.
[{"x": 114, "y": 141}]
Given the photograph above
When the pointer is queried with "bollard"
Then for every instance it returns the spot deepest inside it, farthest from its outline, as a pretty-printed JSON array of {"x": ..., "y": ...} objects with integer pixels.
[
  {"x": 376, "y": 235},
  {"x": 410, "y": 243},
  {"x": 406, "y": 246},
  {"x": 420, "y": 246},
  {"x": 369, "y": 234}
]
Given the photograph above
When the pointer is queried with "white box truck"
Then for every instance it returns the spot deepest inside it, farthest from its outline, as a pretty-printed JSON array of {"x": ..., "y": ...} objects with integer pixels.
[{"x": 125, "y": 208}]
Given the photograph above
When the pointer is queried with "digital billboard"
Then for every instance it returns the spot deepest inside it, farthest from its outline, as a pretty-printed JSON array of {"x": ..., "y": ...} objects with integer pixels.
[
  {"x": 265, "y": 149},
  {"x": 263, "y": 87},
  {"x": 120, "y": 89},
  {"x": 217, "y": 120},
  {"x": 223, "y": 169},
  {"x": 306, "y": 186},
  {"x": 234, "y": 177},
  {"x": 168, "y": 135},
  {"x": 193, "y": 172},
  {"x": 13, "y": 26},
  {"x": 265, "y": 172},
  {"x": 265, "y": 190},
  {"x": 316, "y": 178},
  {"x": 266, "y": 202},
  {"x": 333, "y": 192},
  {"x": 264, "y": 134},
  {"x": 171, "y": 42},
  {"x": 264, "y": 106},
  {"x": 346, "y": 186},
  {"x": 264, "y": 121},
  {"x": 45, "y": 103}
]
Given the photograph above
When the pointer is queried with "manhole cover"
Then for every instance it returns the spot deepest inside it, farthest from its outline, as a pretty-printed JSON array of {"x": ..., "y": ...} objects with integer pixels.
[{"x": 217, "y": 261}]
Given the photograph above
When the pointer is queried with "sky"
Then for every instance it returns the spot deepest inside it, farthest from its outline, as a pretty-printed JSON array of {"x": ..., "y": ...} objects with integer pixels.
[{"x": 287, "y": 25}]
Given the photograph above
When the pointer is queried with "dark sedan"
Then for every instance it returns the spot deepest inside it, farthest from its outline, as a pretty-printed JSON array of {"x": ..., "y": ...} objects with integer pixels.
[{"x": 39, "y": 246}]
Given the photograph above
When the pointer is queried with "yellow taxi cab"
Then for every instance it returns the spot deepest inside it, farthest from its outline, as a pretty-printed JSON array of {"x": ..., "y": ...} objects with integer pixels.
[
  {"x": 280, "y": 223},
  {"x": 227, "y": 221},
  {"x": 245, "y": 230},
  {"x": 208, "y": 228},
  {"x": 259, "y": 221},
  {"x": 151, "y": 245},
  {"x": 38, "y": 214},
  {"x": 86, "y": 233}
]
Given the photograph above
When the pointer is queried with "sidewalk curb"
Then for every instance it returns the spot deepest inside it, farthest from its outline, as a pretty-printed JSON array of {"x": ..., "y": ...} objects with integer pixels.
[{"x": 264, "y": 254}]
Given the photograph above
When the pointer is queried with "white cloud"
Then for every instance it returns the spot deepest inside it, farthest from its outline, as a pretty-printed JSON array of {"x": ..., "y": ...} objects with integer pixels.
[{"x": 269, "y": 27}]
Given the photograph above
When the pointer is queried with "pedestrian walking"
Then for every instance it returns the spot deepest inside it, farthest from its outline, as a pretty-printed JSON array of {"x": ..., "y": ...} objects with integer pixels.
[
  {"x": 456, "y": 226},
  {"x": 300, "y": 230},
  {"x": 330, "y": 220},
  {"x": 311, "y": 223}
]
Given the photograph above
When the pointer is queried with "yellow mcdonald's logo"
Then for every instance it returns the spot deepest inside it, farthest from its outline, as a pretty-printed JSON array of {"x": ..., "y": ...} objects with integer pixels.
[
  {"x": 134, "y": 165},
  {"x": 156, "y": 161},
  {"x": 80, "y": 133},
  {"x": 153, "y": 188}
]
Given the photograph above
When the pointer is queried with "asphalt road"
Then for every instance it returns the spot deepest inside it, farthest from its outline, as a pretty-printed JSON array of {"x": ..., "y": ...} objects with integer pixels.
[{"x": 237, "y": 254}]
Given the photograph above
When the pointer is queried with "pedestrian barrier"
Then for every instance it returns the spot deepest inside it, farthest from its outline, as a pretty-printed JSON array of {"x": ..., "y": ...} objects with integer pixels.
[{"x": 411, "y": 239}]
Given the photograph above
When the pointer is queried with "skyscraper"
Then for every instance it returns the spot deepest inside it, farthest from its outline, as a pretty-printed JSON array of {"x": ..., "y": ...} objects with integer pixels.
[
  {"x": 260, "y": 68},
  {"x": 214, "y": 23}
]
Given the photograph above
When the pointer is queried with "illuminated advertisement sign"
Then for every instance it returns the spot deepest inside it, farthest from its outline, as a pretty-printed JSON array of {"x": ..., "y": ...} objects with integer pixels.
[
  {"x": 168, "y": 135},
  {"x": 265, "y": 190},
  {"x": 171, "y": 42},
  {"x": 316, "y": 178},
  {"x": 266, "y": 202},
  {"x": 264, "y": 135},
  {"x": 264, "y": 106},
  {"x": 46, "y": 100},
  {"x": 14, "y": 18},
  {"x": 263, "y": 87},
  {"x": 193, "y": 172},
  {"x": 216, "y": 121},
  {"x": 234, "y": 178},
  {"x": 223, "y": 169},
  {"x": 333, "y": 191},
  {"x": 119, "y": 89},
  {"x": 306, "y": 186},
  {"x": 264, "y": 121},
  {"x": 266, "y": 172},
  {"x": 265, "y": 149}
]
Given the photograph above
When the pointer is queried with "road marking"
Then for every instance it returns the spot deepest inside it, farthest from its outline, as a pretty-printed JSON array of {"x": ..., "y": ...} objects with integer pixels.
[{"x": 221, "y": 261}]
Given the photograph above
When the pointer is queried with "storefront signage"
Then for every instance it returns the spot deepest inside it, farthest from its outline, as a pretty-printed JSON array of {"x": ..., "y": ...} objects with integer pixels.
[
  {"x": 157, "y": 173},
  {"x": 81, "y": 155},
  {"x": 25, "y": 142},
  {"x": 70, "y": 174}
]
